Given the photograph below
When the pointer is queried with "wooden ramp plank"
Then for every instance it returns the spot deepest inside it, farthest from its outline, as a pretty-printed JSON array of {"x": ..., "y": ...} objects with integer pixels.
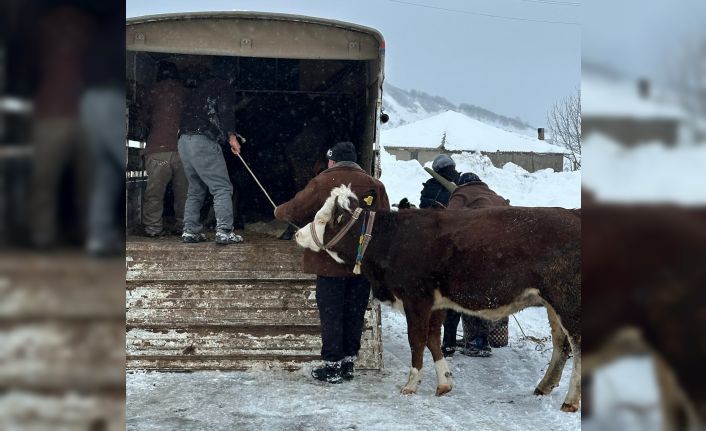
[{"x": 202, "y": 306}]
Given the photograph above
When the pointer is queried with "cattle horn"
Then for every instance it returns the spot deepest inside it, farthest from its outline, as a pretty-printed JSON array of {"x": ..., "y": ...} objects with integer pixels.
[{"x": 448, "y": 185}]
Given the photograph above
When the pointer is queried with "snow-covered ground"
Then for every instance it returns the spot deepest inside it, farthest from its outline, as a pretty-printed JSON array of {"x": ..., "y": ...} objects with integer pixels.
[
  {"x": 541, "y": 188},
  {"x": 650, "y": 172},
  {"x": 490, "y": 393}
]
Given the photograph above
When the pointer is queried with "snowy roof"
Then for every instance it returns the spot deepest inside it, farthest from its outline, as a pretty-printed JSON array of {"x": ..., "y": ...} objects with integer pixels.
[
  {"x": 462, "y": 134},
  {"x": 621, "y": 99}
]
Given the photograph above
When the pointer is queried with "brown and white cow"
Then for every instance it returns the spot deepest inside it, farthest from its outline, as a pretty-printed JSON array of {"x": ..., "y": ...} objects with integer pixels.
[{"x": 489, "y": 263}]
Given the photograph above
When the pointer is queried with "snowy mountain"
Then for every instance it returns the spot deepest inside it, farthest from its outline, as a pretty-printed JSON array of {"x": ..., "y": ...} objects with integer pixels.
[
  {"x": 459, "y": 132},
  {"x": 405, "y": 107}
]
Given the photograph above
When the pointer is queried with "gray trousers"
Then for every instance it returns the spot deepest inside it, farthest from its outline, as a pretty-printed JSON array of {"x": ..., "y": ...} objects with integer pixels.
[
  {"x": 206, "y": 171},
  {"x": 162, "y": 168}
]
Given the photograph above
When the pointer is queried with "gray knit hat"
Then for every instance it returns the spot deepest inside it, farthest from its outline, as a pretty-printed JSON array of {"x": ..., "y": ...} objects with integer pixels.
[{"x": 442, "y": 161}]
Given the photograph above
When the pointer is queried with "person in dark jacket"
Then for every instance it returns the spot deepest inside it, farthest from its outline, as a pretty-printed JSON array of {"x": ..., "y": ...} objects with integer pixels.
[
  {"x": 162, "y": 162},
  {"x": 207, "y": 122},
  {"x": 341, "y": 296},
  {"x": 434, "y": 195}
]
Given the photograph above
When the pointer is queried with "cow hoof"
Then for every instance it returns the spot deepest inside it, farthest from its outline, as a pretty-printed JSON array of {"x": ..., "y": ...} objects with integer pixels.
[
  {"x": 538, "y": 392},
  {"x": 408, "y": 391},
  {"x": 443, "y": 389},
  {"x": 569, "y": 408}
]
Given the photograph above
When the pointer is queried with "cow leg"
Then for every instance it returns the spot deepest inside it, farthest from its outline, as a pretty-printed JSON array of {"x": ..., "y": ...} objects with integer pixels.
[
  {"x": 444, "y": 382},
  {"x": 573, "y": 398},
  {"x": 417, "y": 333},
  {"x": 559, "y": 355}
]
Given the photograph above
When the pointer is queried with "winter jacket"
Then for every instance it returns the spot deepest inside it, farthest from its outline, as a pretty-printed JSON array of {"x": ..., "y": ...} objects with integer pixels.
[
  {"x": 434, "y": 195},
  {"x": 165, "y": 106},
  {"x": 303, "y": 207},
  {"x": 210, "y": 111},
  {"x": 475, "y": 195}
]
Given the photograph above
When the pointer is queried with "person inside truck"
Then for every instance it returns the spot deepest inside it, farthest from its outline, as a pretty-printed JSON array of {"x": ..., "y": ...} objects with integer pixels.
[
  {"x": 207, "y": 123},
  {"x": 341, "y": 296},
  {"x": 162, "y": 162}
]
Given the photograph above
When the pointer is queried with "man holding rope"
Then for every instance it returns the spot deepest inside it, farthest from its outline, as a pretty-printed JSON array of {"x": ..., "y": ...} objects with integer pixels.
[
  {"x": 207, "y": 121},
  {"x": 341, "y": 296}
]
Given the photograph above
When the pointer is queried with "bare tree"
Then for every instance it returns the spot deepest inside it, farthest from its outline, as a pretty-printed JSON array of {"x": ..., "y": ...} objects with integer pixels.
[
  {"x": 686, "y": 69},
  {"x": 564, "y": 124}
]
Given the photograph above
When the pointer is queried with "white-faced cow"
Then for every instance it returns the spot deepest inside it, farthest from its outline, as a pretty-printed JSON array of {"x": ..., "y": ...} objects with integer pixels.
[{"x": 488, "y": 263}]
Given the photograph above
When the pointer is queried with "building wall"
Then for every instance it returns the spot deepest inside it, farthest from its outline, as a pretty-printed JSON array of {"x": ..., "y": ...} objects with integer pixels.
[
  {"x": 630, "y": 132},
  {"x": 529, "y": 161}
]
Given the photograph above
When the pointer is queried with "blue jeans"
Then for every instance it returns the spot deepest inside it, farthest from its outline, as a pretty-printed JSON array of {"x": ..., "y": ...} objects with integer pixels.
[{"x": 206, "y": 171}]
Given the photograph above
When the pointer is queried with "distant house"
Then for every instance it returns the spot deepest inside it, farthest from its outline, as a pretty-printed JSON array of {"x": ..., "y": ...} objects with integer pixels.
[
  {"x": 451, "y": 133},
  {"x": 629, "y": 112}
]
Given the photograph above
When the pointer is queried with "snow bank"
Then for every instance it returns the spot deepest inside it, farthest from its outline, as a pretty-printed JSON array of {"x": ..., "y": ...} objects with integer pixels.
[
  {"x": 541, "y": 188},
  {"x": 649, "y": 172},
  {"x": 402, "y": 178}
]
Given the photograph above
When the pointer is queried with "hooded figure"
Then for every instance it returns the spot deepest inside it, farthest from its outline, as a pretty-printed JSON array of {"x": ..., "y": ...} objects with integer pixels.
[{"x": 434, "y": 194}]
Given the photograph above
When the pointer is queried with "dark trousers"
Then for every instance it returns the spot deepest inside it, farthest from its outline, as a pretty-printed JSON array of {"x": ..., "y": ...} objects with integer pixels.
[
  {"x": 451, "y": 324},
  {"x": 342, "y": 302}
]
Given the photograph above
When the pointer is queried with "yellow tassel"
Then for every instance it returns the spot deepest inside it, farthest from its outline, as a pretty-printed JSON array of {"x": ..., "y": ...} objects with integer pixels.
[{"x": 356, "y": 269}]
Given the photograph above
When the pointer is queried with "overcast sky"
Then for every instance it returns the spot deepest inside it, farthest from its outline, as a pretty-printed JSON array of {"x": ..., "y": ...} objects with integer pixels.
[
  {"x": 639, "y": 41},
  {"x": 507, "y": 64}
]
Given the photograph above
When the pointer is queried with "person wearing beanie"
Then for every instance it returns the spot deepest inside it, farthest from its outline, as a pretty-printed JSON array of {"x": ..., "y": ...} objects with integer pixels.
[
  {"x": 341, "y": 296},
  {"x": 434, "y": 195}
]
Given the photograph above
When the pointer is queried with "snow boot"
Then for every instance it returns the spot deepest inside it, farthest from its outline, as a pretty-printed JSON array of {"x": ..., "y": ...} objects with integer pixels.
[
  {"x": 448, "y": 351},
  {"x": 478, "y": 348},
  {"x": 224, "y": 238},
  {"x": 191, "y": 238},
  {"x": 347, "y": 366},
  {"x": 330, "y": 372}
]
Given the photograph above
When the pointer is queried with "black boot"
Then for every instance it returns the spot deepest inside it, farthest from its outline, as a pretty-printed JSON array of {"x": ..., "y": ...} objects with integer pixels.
[
  {"x": 479, "y": 348},
  {"x": 448, "y": 351},
  {"x": 347, "y": 369},
  {"x": 330, "y": 372}
]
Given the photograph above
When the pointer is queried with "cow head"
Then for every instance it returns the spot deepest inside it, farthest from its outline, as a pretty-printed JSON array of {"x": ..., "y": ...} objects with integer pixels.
[{"x": 329, "y": 220}]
